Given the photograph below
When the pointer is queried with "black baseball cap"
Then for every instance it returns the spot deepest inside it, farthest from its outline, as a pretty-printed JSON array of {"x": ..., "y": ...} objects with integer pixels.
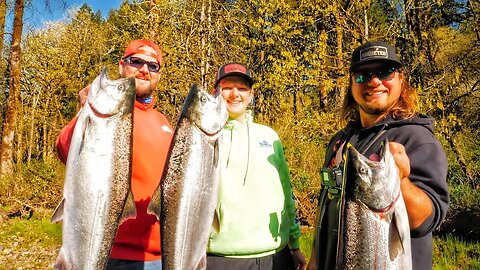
[
  {"x": 234, "y": 69},
  {"x": 374, "y": 51}
]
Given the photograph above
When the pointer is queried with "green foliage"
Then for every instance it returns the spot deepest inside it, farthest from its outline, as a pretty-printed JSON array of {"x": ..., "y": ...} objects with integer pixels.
[
  {"x": 462, "y": 197},
  {"x": 298, "y": 52},
  {"x": 306, "y": 242},
  {"x": 450, "y": 253},
  {"x": 304, "y": 138},
  {"x": 29, "y": 244},
  {"x": 32, "y": 230},
  {"x": 38, "y": 184}
]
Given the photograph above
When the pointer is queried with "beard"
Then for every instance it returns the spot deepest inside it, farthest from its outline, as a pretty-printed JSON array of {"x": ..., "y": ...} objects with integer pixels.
[
  {"x": 373, "y": 108},
  {"x": 144, "y": 88}
]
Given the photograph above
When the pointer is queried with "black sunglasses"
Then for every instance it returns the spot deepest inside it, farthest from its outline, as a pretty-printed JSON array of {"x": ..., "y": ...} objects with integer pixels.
[
  {"x": 383, "y": 73},
  {"x": 139, "y": 62}
]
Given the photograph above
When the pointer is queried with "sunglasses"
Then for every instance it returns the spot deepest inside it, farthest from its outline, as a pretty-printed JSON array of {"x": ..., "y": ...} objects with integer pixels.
[
  {"x": 384, "y": 73},
  {"x": 139, "y": 62}
]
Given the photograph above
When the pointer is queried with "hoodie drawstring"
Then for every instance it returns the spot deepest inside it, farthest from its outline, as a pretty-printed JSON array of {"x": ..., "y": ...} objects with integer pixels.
[
  {"x": 248, "y": 153},
  {"x": 231, "y": 127}
]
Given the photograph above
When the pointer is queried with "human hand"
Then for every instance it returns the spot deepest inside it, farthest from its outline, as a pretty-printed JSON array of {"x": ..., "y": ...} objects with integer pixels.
[
  {"x": 83, "y": 94},
  {"x": 401, "y": 159},
  {"x": 298, "y": 259}
]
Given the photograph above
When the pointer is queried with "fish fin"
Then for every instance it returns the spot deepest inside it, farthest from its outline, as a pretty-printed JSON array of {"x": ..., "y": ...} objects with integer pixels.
[
  {"x": 61, "y": 262},
  {"x": 58, "y": 213},
  {"x": 155, "y": 205},
  {"x": 202, "y": 263},
  {"x": 395, "y": 244},
  {"x": 399, "y": 235},
  {"x": 216, "y": 222},
  {"x": 129, "y": 209}
]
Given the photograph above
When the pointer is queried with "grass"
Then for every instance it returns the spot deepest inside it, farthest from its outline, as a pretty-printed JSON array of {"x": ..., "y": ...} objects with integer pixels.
[
  {"x": 306, "y": 241},
  {"x": 29, "y": 244},
  {"x": 449, "y": 253},
  {"x": 452, "y": 253},
  {"x": 34, "y": 244}
]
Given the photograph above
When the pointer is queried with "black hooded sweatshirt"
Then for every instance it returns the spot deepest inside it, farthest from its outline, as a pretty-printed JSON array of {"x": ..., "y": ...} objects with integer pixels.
[{"x": 428, "y": 164}]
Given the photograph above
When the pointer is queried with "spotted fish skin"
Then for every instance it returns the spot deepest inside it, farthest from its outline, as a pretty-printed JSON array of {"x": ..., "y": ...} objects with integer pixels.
[
  {"x": 97, "y": 192},
  {"x": 376, "y": 232},
  {"x": 186, "y": 198}
]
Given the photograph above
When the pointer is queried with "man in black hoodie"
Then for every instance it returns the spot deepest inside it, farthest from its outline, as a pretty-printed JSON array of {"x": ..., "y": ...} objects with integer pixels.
[{"x": 380, "y": 104}]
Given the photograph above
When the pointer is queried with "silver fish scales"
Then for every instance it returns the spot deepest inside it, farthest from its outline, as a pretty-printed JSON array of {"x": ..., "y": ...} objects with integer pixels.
[
  {"x": 186, "y": 198},
  {"x": 376, "y": 232},
  {"x": 97, "y": 193}
]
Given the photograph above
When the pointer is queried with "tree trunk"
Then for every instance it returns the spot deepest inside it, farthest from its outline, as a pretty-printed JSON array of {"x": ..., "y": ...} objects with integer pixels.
[
  {"x": 32, "y": 134},
  {"x": 3, "y": 12},
  {"x": 153, "y": 14},
  {"x": 205, "y": 26},
  {"x": 339, "y": 32},
  {"x": 8, "y": 133},
  {"x": 18, "y": 142},
  {"x": 323, "y": 97},
  {"x": 46, "y": 133},
  {"x": 475, "y": 19}
]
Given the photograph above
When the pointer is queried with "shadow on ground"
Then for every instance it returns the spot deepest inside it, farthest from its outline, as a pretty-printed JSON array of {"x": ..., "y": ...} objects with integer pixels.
[{"x": 462, "y": 223}]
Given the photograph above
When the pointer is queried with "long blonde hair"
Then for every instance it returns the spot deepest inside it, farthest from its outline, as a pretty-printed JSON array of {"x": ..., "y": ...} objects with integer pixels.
[{"x": 406, "y": 107}]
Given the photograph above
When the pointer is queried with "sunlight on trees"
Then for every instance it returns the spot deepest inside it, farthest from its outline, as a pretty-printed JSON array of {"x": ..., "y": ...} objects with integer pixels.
[{"x": 298, "y": 52}]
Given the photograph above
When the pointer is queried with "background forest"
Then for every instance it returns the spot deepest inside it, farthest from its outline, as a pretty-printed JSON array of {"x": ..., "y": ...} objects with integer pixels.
[{"x": 298, "y": 52}]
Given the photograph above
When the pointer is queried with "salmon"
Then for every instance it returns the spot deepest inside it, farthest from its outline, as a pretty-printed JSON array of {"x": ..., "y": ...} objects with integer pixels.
[{"x": 97, "y": 194}]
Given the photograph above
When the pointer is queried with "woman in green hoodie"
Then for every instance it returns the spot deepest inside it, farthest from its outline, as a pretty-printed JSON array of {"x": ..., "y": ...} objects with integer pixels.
[{"x": 256, "y": 211}]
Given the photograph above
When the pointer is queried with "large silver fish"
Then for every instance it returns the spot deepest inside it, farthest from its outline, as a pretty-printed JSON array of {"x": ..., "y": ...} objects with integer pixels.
[
  {"x": 97, "y": 194},
  {"x": 188, "y": 191},
  {"x": 376, "y": 228}
]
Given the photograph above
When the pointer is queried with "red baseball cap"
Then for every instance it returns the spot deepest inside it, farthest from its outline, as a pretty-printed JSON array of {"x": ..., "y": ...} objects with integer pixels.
[
  {"x": 136, "y": 47},
  {"x": 234, "y": 69}
]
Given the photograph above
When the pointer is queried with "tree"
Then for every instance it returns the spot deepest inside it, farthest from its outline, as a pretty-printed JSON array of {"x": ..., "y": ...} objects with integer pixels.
[
  {"x": 8, "y": 133},
  {"x": 3, "y": 12}
]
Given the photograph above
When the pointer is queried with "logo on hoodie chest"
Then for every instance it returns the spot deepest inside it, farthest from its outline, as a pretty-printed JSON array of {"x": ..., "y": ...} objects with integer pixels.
[{"x": 265, "y": 144}]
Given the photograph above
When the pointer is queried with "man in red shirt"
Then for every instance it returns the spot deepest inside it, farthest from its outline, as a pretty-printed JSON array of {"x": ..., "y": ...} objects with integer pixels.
[{"x": 137, "y": 243}]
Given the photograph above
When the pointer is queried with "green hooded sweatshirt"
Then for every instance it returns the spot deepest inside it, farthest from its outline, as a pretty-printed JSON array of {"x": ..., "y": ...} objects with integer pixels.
[{"x": 256, "y": 210}]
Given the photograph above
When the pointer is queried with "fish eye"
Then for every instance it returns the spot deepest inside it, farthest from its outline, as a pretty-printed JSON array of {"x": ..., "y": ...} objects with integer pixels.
[{"x": 203, "y": 98}]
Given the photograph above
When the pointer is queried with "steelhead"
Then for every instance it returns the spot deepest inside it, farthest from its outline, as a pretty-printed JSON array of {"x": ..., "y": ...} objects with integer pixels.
[
  {"x": 97, "y": 194},
  {"x": 376, "y": 232},
  {"x": 186, "y": 197}
]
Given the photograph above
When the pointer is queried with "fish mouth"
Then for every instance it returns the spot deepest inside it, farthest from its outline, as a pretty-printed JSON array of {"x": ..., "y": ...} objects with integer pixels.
[
  {"x": 386, "y": 208},
  {"x": 212, "y": 134},
  {"x": 97, "y": 113}
]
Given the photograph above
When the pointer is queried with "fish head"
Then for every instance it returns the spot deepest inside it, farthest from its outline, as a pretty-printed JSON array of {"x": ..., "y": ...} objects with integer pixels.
[
  {"x": 205, "y": 111},
  {"x": 375, "y": 183},
  {"x": 110, "y": 97}
]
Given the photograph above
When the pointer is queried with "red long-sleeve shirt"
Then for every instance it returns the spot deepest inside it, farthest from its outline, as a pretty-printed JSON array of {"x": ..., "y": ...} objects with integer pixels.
[{"x": 139, "y": 238}]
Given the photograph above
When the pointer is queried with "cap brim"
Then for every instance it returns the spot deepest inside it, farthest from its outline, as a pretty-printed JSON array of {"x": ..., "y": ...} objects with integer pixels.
[
  {"x": 238, "y": 74},
  {"x": 397, "y": 64}
]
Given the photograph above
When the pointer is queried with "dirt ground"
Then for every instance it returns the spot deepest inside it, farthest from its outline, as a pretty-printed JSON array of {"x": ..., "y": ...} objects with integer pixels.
[
  {"x": 22, "y": 247},
  {"x": 21, "y": 253}
]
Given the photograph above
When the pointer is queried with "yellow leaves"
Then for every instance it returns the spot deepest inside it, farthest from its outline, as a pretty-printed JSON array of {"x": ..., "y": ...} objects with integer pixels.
[
  {"x": 453, "y": 119},
  {"x": 424, "y": 35},
  {"x": 449, "y": 124},
  {"x": 439, "y": 104},
  {"x": 457, "y": 75}
]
